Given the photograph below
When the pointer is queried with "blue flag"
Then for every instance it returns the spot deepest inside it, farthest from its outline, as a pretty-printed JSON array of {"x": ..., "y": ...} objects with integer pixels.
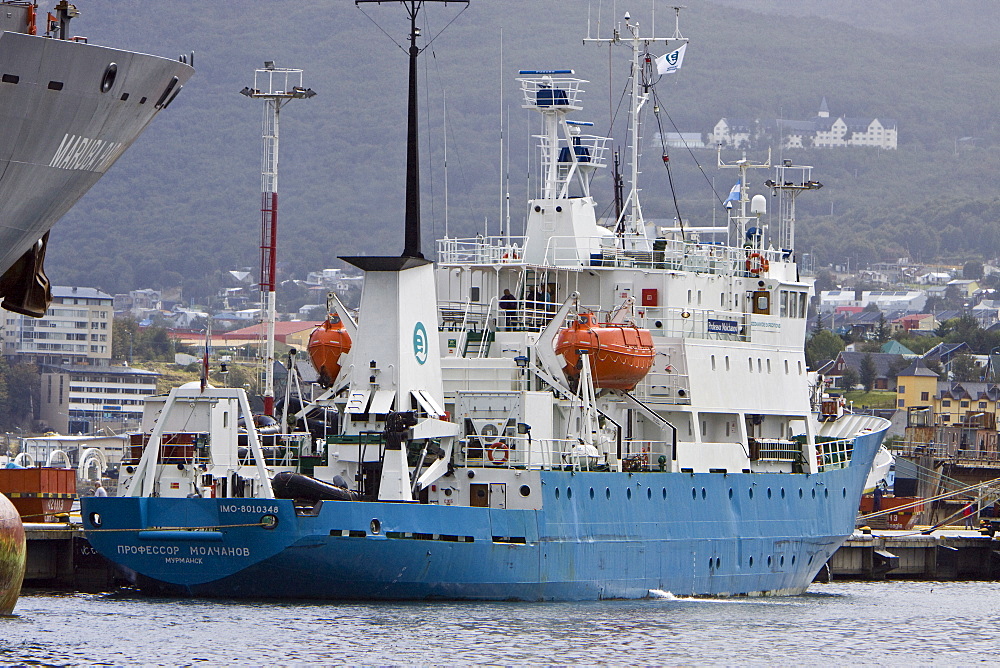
[{"x": 734, "y": 196}]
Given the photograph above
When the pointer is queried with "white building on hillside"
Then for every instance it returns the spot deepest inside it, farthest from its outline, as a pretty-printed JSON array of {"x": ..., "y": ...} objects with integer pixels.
[{"x": 76, "y": 329}]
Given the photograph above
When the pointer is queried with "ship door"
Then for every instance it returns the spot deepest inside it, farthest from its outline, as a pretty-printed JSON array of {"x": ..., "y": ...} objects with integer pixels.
[
  {"x": 498, "y": 495},
  {"x": 761, "y": 302},
  {"x": 479, "y": 495}
]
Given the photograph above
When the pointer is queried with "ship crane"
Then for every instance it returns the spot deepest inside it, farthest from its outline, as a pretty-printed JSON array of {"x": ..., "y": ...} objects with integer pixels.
[{"x": 276, "y": 86}]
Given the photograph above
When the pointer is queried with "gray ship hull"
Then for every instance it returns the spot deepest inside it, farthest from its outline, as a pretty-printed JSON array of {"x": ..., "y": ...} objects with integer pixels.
[{"x": 68, "y": 110}]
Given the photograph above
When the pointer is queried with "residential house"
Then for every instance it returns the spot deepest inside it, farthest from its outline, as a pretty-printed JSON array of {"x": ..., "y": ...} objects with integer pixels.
[{"x": 887, "y": 365}]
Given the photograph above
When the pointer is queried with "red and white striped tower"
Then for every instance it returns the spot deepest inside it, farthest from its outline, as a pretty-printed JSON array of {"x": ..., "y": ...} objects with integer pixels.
[{"x": 276, "y": 86}]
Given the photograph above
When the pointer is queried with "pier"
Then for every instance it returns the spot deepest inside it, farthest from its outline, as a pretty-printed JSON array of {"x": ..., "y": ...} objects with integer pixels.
[
  {"x": 945, "y": 554},
  {"x": 60, "y": 557}
]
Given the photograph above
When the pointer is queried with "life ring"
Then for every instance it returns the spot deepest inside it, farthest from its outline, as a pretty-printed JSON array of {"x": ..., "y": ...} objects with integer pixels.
[
  {"x": 757, "y": 264},
  {"x": 497, "y": 452}
]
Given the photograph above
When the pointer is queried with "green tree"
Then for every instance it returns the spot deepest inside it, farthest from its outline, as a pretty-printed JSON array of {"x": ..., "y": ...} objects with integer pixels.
[
  {"x": 964, "y": 369},
  {"x": 972, "y": 270},
  {"x": 20, "y": 386},
  {"x": 850, "y": 379},
  {"x": 882, "y": 331},
  {"x": 823, "y": 345},
  {"x": 868, "y": 372}
]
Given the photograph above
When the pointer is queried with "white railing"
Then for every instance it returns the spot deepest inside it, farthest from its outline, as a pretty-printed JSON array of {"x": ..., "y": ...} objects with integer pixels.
[
  {"x": 547, "y": 454},
  {"x": 547, "y": 92},
  {"x": 589, "y": 149},
  {"x": 482, "y": 250},
  {"x": 669, "y": 254},
  {"x": 680, "y": 322}
]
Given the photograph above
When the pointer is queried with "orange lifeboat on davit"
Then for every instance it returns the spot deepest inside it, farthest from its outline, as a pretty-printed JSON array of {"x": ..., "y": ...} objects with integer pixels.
[
  {"x": 326, "y": 344},
  {"x": 620, "y": 355}
]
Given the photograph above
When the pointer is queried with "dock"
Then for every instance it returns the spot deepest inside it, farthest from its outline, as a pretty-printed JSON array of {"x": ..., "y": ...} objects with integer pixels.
[
  {"x": 944, "y": 554},
  {"x": 60, "y": 557}
]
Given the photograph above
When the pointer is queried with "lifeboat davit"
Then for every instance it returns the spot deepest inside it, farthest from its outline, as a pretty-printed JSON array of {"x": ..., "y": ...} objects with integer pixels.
[
  {"x": 326, "y": 344},
  {"x": 620, "y": 355}
]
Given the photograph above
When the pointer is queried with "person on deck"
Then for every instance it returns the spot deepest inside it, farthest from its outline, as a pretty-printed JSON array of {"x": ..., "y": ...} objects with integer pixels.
[
  {"x": 99, "y": 489},
  {"x": 508, "y": 304},
  {"x": 967, "y": 514}
]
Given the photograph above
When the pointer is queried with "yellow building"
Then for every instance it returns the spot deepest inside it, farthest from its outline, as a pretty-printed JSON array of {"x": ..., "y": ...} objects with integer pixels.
[{"x": 950, "y": 402}]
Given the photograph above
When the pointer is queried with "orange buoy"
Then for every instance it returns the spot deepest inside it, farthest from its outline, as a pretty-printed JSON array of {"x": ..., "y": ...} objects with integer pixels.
[
  {"x": 620, "y": 355},
  {"x": 326, "y": 344}
]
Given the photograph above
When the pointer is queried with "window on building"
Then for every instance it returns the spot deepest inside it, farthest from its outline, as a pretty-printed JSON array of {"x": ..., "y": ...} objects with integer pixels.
[
  {"x": 925, "y": 396},
  {"x": 982, "y": 404},
  {"x": 946, "y": 403},
  {"x": 946, "y": 418},
  {"x": 902, "y": 403},
  {"x": 964, "y": 404},
  {"x": 901, "y": 389}
]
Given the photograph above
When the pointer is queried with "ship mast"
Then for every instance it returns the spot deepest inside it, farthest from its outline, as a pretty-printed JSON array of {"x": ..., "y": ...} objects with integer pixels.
[
  {"x": 276, "y": 86},
  {"x": 630, "y": 220}
]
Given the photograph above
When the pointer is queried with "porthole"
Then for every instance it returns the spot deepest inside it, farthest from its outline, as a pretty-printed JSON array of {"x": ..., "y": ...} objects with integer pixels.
[
  {"x": 814, "y": 493},
  {"x": 649, "y": 493},
  {"x": 607, "y": 493},
  {"x": 751, "y": 492},
  {"x": 664, "y": 493},
  {"x": 525, "y": 490},
  {"x": 591, "y": 492},
  {"x": 628, "y": 493},
  {"x": 843, "y": 492},
  {"x": 376, "y": 527},
  {"x": 95, "y": 519},
  {"x": 718, "y": 562},
  {"x": 694, "y": 493},
  {"x": 810, "y": 558},
  {"x": 730, "y": 492},
  {"x": 569, "y": 493},
  {"x": 557, "y": 492},
  {"x": 826, "y": 493},
  {"x": 271, "y": 521},
  {"x": 704, "y": 494},
  {"x": 793, "y": 560},
  {"x": 800, "y": 492},
  {"x": 110, "y": 74},
  {"x": 781, "y": 561},
  {"x": 769, "y": 562},
  {"x": 769, "y": 492},
  {"x": 751, "y": 562},
  {"x": 782, "y": 492}
]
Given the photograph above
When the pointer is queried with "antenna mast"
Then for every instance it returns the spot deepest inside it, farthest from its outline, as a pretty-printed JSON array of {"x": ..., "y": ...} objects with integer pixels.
[
  {"x": 630, "y": 220},
  {"x": 276, "y": 86},
  {"x": 411, "y": 236}
]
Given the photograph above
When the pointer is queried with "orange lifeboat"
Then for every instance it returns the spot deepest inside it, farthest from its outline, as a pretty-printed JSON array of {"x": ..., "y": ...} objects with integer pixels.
[
  {"x": 326, "y": 344},
  {"x": 620, "y": 355}
]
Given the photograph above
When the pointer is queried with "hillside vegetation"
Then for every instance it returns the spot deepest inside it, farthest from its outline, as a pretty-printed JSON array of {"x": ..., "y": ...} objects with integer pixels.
[{"x": 182, "y": 205}]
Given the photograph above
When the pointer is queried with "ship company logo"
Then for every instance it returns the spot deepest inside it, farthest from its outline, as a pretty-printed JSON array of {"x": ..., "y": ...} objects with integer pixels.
[
  {"x": 92, "y": 155},
  {"x": 420, "y": 342}
]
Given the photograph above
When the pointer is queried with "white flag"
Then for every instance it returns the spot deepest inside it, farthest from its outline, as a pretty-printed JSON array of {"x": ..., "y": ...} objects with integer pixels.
[{"x": 669, "y": 63}]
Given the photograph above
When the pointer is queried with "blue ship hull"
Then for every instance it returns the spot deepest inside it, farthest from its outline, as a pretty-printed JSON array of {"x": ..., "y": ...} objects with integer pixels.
[{"x": 598, "y": 535}]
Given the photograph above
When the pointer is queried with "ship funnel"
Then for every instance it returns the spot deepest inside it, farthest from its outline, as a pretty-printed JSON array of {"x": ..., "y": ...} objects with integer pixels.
[{"x": 758, "y": 205}]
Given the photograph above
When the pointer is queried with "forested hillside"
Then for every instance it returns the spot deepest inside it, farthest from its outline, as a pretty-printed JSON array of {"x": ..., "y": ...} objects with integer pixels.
[{"x": 182, "y": 205}]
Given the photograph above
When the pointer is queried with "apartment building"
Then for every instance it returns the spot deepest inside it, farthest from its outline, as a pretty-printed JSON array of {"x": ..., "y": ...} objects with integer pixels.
[{"x": 76, "y": 329}]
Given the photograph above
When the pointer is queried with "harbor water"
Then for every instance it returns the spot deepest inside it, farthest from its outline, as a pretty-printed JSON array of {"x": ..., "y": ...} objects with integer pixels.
[{"x": 843, "y": 623}]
